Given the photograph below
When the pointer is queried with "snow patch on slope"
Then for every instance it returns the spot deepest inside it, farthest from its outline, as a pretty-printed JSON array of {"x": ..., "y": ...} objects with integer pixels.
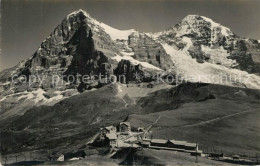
[
  {"x": 112, "y": 32},
  {"x": 128, "y": 53},
  {"x": 218, "y": 56},
  {"x": 115, "y": 33},
  {"x": 190, "y": 70},
  {"x": 188, "y": 42},
  {"x": 135, "y": 62},
  {"x": 224, "y": 30},
  {"x": 5, "y": 83},
  {"x": 36, "y": 96}
]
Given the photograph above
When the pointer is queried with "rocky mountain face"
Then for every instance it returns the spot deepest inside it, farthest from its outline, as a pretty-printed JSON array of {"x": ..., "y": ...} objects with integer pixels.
[
  {"x": 195, "y": 50},
  {"x": 205, "y": 35},
  {"x": 147, "y": 50}
]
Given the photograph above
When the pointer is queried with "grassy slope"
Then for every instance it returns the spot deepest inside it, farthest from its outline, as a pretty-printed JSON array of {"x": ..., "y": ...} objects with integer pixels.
[
  {"x": 235, "y": 128},
  {"x": 70, "y": 123}
]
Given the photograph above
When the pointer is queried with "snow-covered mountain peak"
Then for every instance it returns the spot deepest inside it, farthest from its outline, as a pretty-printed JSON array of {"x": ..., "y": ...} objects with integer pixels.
[
  {"x": 80, "y": 11},
  {"x": 195, "y": 25},
  {"x": 196, "y": 22},
  {"x": 112, "y": 32},
  {"x": 198, "y": 18},
  {"x": 191, "y": 17},
  {"x": 224, "y": 30},
  {"x": 197, "y": 38}
]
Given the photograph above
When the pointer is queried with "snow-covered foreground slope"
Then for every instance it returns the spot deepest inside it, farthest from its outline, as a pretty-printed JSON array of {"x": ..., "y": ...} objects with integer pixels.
[
  {"x": 18, "y": 103},
  {"x": 39, "y": 96}
]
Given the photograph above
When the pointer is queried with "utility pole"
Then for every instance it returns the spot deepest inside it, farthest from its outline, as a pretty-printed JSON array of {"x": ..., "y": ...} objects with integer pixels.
[
  {"x": 197, "y": 150},
  {"x": 5, "y": 160},
  {"x": 257, "y": 161}
]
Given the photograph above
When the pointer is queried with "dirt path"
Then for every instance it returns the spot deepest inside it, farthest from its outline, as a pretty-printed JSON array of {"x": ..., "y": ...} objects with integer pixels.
[
  {"x": 149, "y": 128},
  {"x": 216, "y": 119},
  {"x": 93, "y": 138}
]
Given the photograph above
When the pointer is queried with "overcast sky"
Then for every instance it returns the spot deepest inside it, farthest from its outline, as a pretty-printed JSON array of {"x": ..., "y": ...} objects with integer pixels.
[{"x": 26, "y": 23}]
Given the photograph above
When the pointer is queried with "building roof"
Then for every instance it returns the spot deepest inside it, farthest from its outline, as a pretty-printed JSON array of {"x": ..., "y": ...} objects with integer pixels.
[
  {"x": 191, "y": 144},
  {"x": 184, "y": 143},
  {"x": 103, "y": 129},
  {"x": 111, "y": 136},
  {"x": 161, "y": 141},
  {"x": 110, "y": 127},
  {"x": 125, "y": 123},
  {"x": 146, "y": 142},
  {"x": 178, "y": 142},
  {"x": 140, "y": 128},
  {"x": 236, "y": 156}
]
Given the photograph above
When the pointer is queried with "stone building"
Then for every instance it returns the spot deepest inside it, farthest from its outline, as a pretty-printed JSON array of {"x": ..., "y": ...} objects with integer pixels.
[
  {"x": 124, "y": 128},
  {"x": 106, "y": 130}
]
